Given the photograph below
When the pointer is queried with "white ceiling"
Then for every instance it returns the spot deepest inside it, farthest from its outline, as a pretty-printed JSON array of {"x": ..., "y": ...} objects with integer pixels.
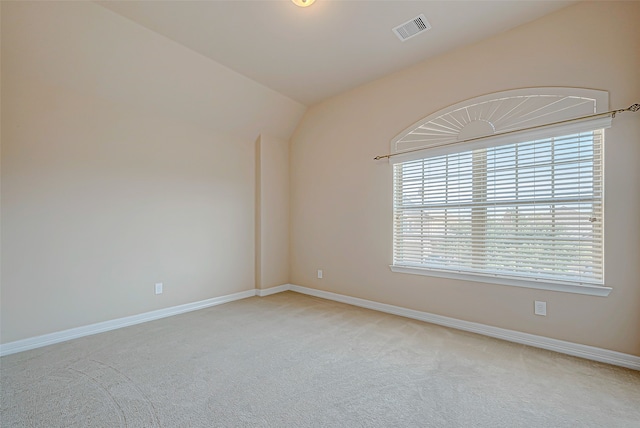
[{"x": 310, "y": 54}]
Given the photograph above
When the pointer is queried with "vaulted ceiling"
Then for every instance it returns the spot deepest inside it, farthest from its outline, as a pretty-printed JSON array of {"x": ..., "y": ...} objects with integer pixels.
[{"x": 309, "y": 54}]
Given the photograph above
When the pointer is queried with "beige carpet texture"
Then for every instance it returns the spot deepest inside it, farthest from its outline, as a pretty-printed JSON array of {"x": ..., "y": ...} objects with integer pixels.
[{"x": 290, "y": 360}]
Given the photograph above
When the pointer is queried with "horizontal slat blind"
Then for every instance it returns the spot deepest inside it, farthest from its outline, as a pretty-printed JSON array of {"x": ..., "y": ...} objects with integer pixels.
[{"x": 529, "y": 210}]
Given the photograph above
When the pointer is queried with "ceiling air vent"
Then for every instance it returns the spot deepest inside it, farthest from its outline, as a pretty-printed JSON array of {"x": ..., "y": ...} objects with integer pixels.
[{"x": 412, "y": 27}]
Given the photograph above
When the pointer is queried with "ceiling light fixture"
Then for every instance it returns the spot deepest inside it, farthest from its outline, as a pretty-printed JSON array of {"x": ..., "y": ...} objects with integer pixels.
[{"x": 303, "y": 3}]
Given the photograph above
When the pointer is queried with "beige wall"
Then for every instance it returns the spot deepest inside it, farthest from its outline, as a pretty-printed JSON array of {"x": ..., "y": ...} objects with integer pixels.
[
  {"x": 126, "y": 160},
  {"x": 272, "y": 212},
  {"x": 341, "y": 200}
]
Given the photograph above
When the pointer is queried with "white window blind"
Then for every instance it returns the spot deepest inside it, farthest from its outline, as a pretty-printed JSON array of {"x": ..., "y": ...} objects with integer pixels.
[{"x": 529, "y": 210}]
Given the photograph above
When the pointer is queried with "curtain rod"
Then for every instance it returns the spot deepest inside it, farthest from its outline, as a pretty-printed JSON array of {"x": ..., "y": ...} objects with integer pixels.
[{"x": 612, "y": 113}]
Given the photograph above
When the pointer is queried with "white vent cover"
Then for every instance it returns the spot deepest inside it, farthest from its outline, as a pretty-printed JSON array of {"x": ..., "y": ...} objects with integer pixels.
[{"x": 411, "y": 28}]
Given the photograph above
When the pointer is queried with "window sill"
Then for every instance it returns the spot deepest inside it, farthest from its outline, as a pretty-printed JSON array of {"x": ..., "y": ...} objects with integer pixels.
[{"x": 588, "y": 289}]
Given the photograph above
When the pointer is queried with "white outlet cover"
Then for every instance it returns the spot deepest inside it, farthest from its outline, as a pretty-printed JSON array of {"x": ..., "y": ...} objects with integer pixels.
[
  {"x": 540, "y": 308},
  {"x": 159, "y": 288},
  {"x": 319, "y": 273}
]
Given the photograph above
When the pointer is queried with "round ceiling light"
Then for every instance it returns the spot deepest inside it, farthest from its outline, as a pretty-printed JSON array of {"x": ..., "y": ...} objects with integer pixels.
[{"x": 303, "y": 3}]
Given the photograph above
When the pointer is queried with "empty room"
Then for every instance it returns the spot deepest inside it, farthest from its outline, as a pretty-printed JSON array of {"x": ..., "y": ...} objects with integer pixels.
[{"x": 320, "y": 213}]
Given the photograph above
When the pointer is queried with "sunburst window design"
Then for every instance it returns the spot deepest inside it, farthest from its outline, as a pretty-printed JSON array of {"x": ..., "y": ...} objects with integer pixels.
[{"x": 498, "y": 113}]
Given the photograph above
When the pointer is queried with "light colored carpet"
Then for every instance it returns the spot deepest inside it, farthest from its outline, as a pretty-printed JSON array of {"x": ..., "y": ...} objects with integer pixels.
[{"x": 290, "y": 360}]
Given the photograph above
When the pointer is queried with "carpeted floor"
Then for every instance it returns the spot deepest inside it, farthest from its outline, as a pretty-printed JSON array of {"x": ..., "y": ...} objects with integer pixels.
[{"x": 290, "y": 360}]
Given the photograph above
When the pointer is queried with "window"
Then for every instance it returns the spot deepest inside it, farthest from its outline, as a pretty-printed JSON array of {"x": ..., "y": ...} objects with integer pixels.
[{"x": 527, "y": 212}]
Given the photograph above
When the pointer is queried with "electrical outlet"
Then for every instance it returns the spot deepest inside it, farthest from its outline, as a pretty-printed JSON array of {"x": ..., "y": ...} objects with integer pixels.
[
  {"x": 319, "y": 273},
  {"x": 158, "y": 288},
  {"x": 540, "y": 308}
]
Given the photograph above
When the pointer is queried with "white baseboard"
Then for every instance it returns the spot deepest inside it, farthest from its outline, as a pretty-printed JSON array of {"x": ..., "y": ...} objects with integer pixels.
[
  {"x": 101, "y": 327},
  {"x": 273, "y": 290},
  {"x": 569, "y": 348}
]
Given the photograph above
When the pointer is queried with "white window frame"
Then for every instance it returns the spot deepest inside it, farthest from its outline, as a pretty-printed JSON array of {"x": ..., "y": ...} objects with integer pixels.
[{"x": 448, "y": 131}]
